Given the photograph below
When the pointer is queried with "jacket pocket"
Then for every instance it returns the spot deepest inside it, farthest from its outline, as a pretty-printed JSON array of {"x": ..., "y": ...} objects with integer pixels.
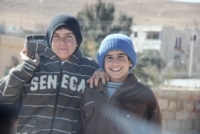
[
  {"x": 89, "y": 109},
  {"x": 44, "y": 125}
]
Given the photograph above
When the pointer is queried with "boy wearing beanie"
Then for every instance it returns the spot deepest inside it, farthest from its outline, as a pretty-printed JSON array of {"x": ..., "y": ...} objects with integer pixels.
[
  {"x": 123, "y": 105},
  {"x": 49, "y": 86}
]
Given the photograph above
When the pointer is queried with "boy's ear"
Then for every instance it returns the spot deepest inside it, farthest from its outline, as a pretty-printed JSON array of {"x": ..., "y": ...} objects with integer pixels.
[{"x": 131, "y": 64}]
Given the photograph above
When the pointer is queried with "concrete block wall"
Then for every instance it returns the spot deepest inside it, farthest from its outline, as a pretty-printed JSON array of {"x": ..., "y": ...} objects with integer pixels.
[{"x": 180, "y": 110}]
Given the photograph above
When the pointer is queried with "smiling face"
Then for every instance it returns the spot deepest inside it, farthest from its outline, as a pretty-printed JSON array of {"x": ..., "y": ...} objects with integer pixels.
[
  {"x": 117, "y": 65},
  {"x": 63, "y": 43}
]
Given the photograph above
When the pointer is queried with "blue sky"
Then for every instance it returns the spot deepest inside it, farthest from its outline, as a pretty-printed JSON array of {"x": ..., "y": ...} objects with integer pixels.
[{"x": 188, "y": 1}]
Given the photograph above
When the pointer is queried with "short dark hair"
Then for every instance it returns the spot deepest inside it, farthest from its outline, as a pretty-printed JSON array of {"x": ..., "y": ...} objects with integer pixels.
[{"x": 63, "y": 27}]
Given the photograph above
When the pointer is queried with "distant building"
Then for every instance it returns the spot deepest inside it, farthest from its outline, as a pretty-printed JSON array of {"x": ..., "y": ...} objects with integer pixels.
[{"x": 174, "y": 45}]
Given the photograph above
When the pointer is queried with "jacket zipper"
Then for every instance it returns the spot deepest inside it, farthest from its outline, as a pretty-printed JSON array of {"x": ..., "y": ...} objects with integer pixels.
[
  {"x": 108, "y": 102},
  {"x": 56, "y": 100},
  {"x": 104, "y": 120}
]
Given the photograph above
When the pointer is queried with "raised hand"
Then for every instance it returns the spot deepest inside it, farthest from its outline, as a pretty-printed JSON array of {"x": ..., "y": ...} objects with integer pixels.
[{"x": 26, "y": 57}]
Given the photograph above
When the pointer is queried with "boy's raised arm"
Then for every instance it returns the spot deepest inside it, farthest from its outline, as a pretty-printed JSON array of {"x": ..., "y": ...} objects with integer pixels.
[{"x": 11, "y": 85}]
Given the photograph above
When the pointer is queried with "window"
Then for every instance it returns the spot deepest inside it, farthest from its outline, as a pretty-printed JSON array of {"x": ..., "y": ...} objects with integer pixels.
[
  {"x": 153, "y": 35},
  {"x": 135, "y": 34},
  {"x": 178, "y": 44}
]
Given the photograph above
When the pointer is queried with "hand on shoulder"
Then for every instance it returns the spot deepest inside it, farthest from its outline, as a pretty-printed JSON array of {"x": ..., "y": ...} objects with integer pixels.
[{"x": 97, "y": 75}]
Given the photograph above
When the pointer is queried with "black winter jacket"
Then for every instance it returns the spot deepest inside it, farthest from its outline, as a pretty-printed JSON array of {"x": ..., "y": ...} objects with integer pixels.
[{"x": 132, "y": 109}]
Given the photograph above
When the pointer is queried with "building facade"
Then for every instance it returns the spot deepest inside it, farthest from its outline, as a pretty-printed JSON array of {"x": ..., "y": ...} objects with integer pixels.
[{"x": 179, "y": 48}]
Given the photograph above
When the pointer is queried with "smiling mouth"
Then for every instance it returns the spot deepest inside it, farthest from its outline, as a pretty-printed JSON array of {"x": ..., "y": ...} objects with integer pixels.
[{"x": 116, "y": 69}]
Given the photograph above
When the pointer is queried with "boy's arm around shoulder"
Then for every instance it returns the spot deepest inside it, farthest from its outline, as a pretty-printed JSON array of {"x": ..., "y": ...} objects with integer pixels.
[
  {"x": 98, "y": 75},
  {"x": 12, "y": 84}
]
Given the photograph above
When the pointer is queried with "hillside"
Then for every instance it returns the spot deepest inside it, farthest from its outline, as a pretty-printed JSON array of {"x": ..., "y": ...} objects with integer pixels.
[{"x": 144, "y": 12}]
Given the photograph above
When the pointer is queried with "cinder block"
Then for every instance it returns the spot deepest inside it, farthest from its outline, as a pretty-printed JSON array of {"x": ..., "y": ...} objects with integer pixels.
[
  {"x": 188, "y": 105},
  {"x": 168, "y": 115},
  {"x": 163, "y": 103},
  {"x": 197, "y": 105},
  {"x": 158, "y": 93},
  {"x": 182, "y": 115},
  {"x": 194, "y": 116},
  {"x": 172, "y": 105},
  {"x": 173, "y": 125},
  {"x": 195, "y": 95},
  {"x": 186, "y": 125},
  {"x": 170, "y": 95},
  {"x": 184, "y": 95},
  {"x": 179, "y": 105},
  {"x": 197, "y": 125}
]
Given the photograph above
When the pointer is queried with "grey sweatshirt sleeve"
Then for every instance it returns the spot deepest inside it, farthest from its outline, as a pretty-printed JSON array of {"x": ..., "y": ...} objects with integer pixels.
[{"x": 11, "y": 86}]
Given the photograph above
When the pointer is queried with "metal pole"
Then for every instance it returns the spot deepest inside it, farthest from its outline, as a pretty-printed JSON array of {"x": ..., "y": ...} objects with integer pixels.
[{"x": 191, "y": 58}]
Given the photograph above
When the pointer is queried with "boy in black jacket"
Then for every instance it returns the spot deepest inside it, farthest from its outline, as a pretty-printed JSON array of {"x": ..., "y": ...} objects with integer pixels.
[{"x": 123, "y": 105}]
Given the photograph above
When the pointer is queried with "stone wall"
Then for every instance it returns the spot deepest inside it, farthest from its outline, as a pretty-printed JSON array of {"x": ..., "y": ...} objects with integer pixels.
[{"x": 180, "y": 110}]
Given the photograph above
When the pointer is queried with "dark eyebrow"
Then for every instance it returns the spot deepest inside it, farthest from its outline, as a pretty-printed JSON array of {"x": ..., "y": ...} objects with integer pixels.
[
  {"x": 55, "y": 34},
  {"x": 70, "y": 33}
]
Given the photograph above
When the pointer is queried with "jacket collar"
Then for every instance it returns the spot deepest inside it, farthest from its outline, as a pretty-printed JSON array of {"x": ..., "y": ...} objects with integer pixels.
[
  {"x": 76, "y": 55},
  {"x": 128, "y": 84}
]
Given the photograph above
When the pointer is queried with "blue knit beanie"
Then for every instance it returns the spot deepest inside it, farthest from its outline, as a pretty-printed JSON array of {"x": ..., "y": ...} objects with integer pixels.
[{"x": 116, "y": 42}]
